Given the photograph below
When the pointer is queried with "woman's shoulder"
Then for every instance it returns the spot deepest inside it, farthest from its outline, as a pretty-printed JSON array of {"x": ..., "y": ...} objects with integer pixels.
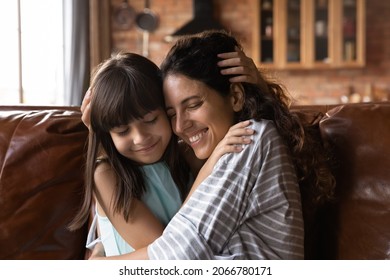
[
  {"x": 264, "y": 129},
  {"x": 262, "y": 125}
]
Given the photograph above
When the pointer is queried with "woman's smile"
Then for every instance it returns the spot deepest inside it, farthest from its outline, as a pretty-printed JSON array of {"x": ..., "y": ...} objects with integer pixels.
[{"x": 197, "y": 137}]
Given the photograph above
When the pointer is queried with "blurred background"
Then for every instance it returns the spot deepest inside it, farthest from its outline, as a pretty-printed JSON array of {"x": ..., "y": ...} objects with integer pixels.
[{"x": 323, "y": 51}]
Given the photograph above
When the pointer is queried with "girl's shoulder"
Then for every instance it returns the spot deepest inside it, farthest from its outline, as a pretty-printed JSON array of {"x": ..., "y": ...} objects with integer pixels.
[
  {"x": 101, "y": 159},
  {"x": 102, "y": 167}
]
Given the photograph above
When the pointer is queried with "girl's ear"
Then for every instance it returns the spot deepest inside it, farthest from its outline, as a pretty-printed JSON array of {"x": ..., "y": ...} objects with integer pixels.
[{"x": 237, "y": 96}]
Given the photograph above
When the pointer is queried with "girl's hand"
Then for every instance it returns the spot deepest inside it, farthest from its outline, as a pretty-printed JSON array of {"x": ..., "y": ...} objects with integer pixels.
[
  {"x": 238, "y": 64},
  {"x": 233, "y": 142},
  {"x": 97, "y": 252},
  {"x": 86, "y": 109}
]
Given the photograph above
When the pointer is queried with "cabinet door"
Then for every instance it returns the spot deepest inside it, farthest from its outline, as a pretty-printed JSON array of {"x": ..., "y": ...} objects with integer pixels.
[
  {"x": 309, "y": 33},
  {"x": 293, "y": 31},
  {"x": 351, "y": 37},
  {"x": 321, "y": 32},
  {"x": 267, "y": 31}
]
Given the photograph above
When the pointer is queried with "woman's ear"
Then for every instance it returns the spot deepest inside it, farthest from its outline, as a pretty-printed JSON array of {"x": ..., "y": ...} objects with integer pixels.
[{"x": 237, "y": 96}]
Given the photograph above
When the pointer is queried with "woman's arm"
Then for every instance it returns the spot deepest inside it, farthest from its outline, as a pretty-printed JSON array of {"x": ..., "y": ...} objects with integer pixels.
[
  {"x": 242, "y": 67},
  {"x": 142, "y": 228}
]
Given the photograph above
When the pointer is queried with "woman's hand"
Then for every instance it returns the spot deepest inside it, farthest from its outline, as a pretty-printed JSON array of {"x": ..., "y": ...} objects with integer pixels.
[
  {"x": 238, "y": 64},
  {"x": 86, "y": 108}
]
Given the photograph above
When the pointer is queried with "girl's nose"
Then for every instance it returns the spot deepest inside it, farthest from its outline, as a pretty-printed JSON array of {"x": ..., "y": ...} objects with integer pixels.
[{"x": 139, "y": 135}]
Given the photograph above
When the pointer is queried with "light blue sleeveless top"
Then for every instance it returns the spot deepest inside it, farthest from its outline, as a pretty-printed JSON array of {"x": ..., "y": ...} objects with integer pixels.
[{"x": 162, "y": 197}]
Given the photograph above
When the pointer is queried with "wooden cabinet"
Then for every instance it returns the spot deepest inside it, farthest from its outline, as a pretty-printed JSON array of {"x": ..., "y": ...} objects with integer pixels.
[{"x": 309, "y": 33}]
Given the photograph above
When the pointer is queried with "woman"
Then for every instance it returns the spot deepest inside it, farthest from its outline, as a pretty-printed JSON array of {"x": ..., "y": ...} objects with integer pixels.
[{"x": 249, "y": 207}]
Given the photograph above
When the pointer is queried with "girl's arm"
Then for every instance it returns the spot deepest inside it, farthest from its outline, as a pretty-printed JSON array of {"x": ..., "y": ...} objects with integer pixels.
[
  {"x": 98, "y": 254},
  {"x": 237, "y": 136},
  {"x": 142, "y": 228}
]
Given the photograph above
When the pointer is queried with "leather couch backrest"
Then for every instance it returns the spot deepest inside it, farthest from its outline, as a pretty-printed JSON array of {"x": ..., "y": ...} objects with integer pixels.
[
  {"x": 41, "y": 181},
  {"x": 358, "y": 223}
]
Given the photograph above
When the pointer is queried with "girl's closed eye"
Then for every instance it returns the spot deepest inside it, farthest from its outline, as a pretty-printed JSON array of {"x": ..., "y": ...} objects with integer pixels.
[
  {"x": 150, "y": 118},
  {"x": 121, "y": 130},
  {"x": 152, "y": 121}
]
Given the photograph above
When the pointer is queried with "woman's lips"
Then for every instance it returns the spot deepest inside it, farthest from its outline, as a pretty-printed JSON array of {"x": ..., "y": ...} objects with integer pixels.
[{"x": 197, "y": 137}]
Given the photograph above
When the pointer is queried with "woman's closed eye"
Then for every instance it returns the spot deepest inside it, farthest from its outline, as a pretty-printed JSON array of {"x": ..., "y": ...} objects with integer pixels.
[
  {"x": 190, "y": 106},
  {"x": 171, "y": 114},
  {"x": 195, "y": 105}
]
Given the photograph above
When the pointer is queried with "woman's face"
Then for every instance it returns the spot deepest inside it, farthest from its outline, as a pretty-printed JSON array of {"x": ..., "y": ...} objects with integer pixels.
[
  {"x": 198, "y": 114},
  {"x": 145, "y": 140}
]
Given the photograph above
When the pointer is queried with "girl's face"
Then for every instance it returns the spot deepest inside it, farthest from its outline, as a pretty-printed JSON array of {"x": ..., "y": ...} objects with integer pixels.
[
  {"x": 198, "y": 114},
  {"x": 145, "y": 140}
]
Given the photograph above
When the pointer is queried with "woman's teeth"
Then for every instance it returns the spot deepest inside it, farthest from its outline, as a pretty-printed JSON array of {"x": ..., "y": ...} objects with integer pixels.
[{"x": 196, "y": 137}]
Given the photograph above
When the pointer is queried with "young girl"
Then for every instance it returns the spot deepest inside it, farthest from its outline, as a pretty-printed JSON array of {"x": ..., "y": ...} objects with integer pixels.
[{"x": 135, "y": 170}]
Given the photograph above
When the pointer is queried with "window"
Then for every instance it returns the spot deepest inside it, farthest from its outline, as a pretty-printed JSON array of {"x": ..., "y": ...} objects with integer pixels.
[{"x": 32, "y": 52}]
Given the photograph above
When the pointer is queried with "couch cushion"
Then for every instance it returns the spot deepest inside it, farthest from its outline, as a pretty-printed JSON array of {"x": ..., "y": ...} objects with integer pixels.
[
  {"x": 41, "y": 181},
  {"x": 359, "y": 222}
]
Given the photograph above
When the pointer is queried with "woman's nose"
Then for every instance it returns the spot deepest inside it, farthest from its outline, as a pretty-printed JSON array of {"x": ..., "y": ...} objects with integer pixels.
[{"x": 181, "y": 123}]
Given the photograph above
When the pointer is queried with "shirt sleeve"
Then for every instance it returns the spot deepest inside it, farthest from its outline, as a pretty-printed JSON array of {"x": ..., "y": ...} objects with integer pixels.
[{"x": 226, "y": 202}]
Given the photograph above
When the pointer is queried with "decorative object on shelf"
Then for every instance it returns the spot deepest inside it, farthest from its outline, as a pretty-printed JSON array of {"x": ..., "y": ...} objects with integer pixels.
[
  {"x": 320, "y": 28},
  {"x": 147, "y": 21},
  {"x": 267, "y": 5},
  {"x": 322, "y": 4},
  {"x": 349, "y": 3},
  {"x": 349, "y": 51},
  {"x": 349, "y": 27},
  {"x": 268, "y": 27},
  {"x": 124, "y": 16}
]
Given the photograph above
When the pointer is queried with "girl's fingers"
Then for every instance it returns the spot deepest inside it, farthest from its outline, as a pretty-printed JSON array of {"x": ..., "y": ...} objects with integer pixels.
[
  {"x": 241, "y": 124},
  {"x": 86, "y": 100},
  {"x": 238, "y": 140}
]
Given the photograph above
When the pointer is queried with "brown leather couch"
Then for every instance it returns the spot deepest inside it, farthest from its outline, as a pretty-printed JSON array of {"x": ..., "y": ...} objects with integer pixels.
[
  {"x": 41, "y": 181},
  {"x": 42, "y": 153}
]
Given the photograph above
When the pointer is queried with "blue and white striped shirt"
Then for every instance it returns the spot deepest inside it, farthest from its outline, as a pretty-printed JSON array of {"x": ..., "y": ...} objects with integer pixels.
[{"x": 248, "y": 208}]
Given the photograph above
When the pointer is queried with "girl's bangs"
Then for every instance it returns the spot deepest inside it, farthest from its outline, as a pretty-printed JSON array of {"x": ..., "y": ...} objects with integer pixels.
[{"x": 127, "y": 100}]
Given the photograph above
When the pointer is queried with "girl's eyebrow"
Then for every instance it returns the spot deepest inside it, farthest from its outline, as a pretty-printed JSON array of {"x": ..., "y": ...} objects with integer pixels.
[
  {"x": 184, "y": 101},
  {"x": 119, "y": 127}
]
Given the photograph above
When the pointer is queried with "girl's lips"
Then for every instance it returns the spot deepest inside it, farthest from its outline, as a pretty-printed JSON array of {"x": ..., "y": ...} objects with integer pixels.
[{"x": 147, "y": 149}]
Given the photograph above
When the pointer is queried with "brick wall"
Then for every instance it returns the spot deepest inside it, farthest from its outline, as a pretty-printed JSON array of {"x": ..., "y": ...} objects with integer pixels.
[{"x": 307, "y": 86}]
